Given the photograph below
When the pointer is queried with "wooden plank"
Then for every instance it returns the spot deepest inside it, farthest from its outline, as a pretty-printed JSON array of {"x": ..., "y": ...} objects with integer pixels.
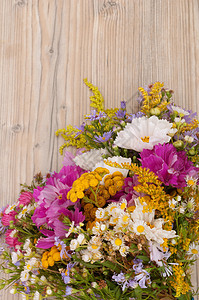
[{"x": 47, "y": 47}]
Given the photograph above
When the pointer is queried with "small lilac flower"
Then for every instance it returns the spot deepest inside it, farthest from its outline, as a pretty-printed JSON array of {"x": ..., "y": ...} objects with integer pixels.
[
  {"x": 143, "y": 278},
  {"x": 119, "y": 278},
  {"x": 120, "y": 114},
  {"x": 63, "y": 251},
  {"x": 123, "y": 104},
  {"x": 65, "y": 276},
  {"x": 101, "y": 139},
  {"x": 81, "y": 128},
  {"x": 135, "y": 116},
  {"x": 68, "y": 291},
  {"x": 96, "y": 116}
]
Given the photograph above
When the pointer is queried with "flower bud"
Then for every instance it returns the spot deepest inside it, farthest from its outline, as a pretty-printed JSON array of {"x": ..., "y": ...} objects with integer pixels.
[
  {"x": 155, "y": 111},
  {"x": 192, "y": 151},
  {"x": 178, "y": 144}
]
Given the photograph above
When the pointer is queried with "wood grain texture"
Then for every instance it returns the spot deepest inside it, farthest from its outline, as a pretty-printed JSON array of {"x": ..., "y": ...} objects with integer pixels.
[{"x": 47, "y": 47}]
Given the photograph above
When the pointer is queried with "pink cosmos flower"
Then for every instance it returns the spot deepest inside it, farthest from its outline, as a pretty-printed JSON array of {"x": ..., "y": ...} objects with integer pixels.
[
  {"x": 170, "y": 165},
  {"x": 11, "y": 241},
  {"x": 25, "y": 198},
  {"x": 53, "y": 204},
  {"x": 8, "y": 217}
]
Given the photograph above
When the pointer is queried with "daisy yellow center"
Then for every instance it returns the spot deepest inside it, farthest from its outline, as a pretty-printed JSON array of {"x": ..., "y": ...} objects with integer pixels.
[
  {"x": 103, "y": 138},
  {"x": 118, "y": 242},
  {"x": 145, "y": 139},
  {"x": 194, "y": 251},
  {"x": 113, "y": 208},
  {"x": 123, "y": 206},
  {"x": 24, "y": 210},
  {"x": 190, "y": 182},
  {"x": 125, "y": 218},
  {"x": 94, "y": 247},
  {"x": 29, "y": 267},
  {"x": 140, "y": 228}
]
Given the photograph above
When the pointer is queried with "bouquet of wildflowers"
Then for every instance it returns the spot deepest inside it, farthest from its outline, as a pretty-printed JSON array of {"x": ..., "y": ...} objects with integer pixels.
[{"x": 120, "y": 220}]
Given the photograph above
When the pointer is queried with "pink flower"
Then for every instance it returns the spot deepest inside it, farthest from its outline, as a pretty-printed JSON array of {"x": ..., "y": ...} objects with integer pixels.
[
  {"x": 8, "y": 217},
  {"x": 25, "y": 198},
  {"x": 11, "y": 241},
  {"x": 53, "y": 203},
  {"x": 170, "y": 165}
]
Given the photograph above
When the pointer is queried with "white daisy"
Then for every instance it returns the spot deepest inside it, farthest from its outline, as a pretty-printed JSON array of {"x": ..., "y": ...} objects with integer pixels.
[
  {"x": 144, "y": 133},
  {"x": 74, "y": 244},
  {"x": 81, "y": 239},
  {"x": 139, "y": 227},
  {"x": 25, "y": 210},
  {"x": 179, "y": 110},
  {"x": 116, "y": 159},
  {"x": 124, "y": 250},
  {"x": 117, "y": 242},
  {"x": 100, "y": 213},
  {"x": 11, "y": 208},
  {"x": 48, "y": 291},
  {"x": 193, "y": 250},
  {"x": 86, "y": 255},
  {"x": 24, "y": 275}
]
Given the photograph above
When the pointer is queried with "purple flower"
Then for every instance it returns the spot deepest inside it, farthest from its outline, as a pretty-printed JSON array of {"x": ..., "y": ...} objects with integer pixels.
[
  {"x": 68, "y": 291},
  {"x": 135, "y": 116},
  {"x": 63, "y": 252},
  {"x": 143, "y": 278},
  {"x": 65, "y": 276},
  {"x": 95, "y": 116},
  {"x": 120, "y": 113},
  {"x": 81, "y": 128},
  {"x": 101, "y": 139},
  {"x": 123, "y": 104},
  {"x": 171, "y": 166}
]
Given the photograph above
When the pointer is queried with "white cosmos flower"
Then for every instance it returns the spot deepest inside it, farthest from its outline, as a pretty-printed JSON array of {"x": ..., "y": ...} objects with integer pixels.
[
  {"x": 144, "y": 133},
  {"x": 87, "y": 160},
  {"x": 117, "y": 159}
]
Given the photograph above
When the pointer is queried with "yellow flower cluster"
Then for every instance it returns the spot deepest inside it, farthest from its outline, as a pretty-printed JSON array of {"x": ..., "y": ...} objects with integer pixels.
[
  {"x": 155, "y": 198},
  {"x": 114, "y": 182},
  {"x": 50, "y": 257},
  {"x": 178, "y": 281},
  {"x": 85, "y": 181},
  {"x": 153, "y": 102},
  {"x": 97, "y": 101},
  {"x": 194, "y": 124},
  {"x": 72, "y": 139}
]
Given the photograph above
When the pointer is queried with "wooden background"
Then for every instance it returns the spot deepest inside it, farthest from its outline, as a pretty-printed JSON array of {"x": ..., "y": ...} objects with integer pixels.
[{"x": 47, "y": 47}]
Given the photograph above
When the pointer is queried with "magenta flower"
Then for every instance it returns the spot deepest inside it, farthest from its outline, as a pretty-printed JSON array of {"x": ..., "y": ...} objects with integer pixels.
[
  {"x": 171, "y": 166},
  {"x": 25, "y": 198},
  {"x": 11, "y": 241},
  {"x": 6, "y": 218},
  {"x": 53, "y": 205},
  {"x": 127, "y": 192}
]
